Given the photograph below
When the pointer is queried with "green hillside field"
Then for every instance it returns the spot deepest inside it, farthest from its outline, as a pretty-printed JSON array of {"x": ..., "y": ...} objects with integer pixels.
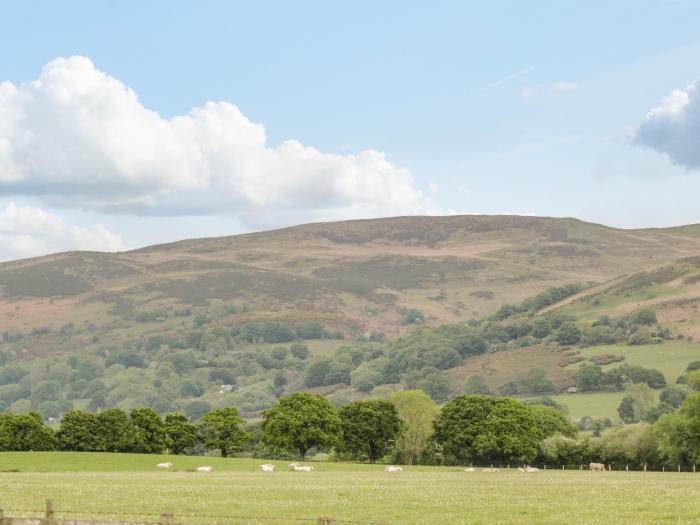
[{"x": 130, "y": 487}]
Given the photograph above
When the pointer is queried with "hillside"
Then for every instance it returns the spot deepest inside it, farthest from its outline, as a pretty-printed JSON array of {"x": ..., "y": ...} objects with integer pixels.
[{"x": 167, "y": 325}]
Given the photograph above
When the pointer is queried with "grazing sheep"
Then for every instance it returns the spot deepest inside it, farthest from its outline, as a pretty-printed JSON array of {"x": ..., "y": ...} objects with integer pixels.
[
  {"x": 165, "y": 465},
  {"x": 489, "y": 469},
  {"x": 299, "y": 468},
  {"x": 267, "y": 467},
  {"x": 597, "y": 466},
  {"x": 470, "y": 469},
  {"x": 393, "y": 468},
  {"x": 292, "y": 466},
  {"x": 531, "y": 469},
  {"x": 204, "y": 469}
]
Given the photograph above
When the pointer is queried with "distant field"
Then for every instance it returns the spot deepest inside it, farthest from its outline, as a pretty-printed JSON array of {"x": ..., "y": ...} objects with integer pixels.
[
  {"x": 671, "y": 358},
  {"x": 596, "y": 404},
  {"x": 114, "y": 484}
]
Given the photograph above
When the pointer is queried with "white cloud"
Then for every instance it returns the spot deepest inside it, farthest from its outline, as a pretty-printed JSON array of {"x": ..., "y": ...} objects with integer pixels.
[
  {"x": 673, "y": 127},
  {"x": 77, "y": 137},
  {"x": 26, "y": 231}
]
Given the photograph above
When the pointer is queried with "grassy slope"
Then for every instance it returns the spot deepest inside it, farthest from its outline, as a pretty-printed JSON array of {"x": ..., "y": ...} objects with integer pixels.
[{"x": 427, "y": 495}]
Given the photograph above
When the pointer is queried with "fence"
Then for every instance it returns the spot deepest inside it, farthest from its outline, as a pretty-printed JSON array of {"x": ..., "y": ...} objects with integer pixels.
[{"x": 166, "y": 518}]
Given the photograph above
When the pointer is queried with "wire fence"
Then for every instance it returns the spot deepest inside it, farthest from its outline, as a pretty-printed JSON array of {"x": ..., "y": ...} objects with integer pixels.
[
  {"x": 51, "y": 516},
  {"x": 616, "y": 466}
]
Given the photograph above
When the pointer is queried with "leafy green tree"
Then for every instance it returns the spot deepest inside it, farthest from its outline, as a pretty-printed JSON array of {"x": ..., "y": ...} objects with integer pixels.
[
  {"x": 194, "y": 410},
  {"x": 534, "y": 381},
  {"x": 301, "y": 421},
  {"x": 25, "y": 432},
  {"x": 180, "y": 435},
  {"x": 365, "y": 377},
  {"x": 480, "y": 428},
  {"x": 432, "y": 381},
  {"x": 316, "y": 373},
  {"x": 299, "y": 350},
  {"x": 635, "y": 406},
  {"x": 413, "y": 316},
  {"x": 541, "y": 327},
  {"x": 223, "y": 430},
  {"x": 678, "y": 433},
  {"x": 645, "y": 317},
  {"x": 149, "y": 431},
  {"x": 79, "y": 431},
  {"x": 589, "y": 378},
  {"x": 476, "y": 385},
  {"x": 694, "y": 379},
  {"x": 116, "y": 431},
  {"x": 673, "y": 396},
  {"x": 416, "y": 411},
  {"x": 568, "y": 334},
  {"x": 191, "y": 388},
  {"x": 551, "y": 421},
  {"x": 369, "y": 427}
]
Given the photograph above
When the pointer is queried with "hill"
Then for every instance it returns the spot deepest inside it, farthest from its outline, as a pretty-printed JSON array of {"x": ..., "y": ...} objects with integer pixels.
[{"x": 168, "y": 325}]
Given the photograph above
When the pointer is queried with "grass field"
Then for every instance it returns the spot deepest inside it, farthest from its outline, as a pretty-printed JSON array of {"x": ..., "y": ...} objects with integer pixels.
[{"x": 108, "y": 485}]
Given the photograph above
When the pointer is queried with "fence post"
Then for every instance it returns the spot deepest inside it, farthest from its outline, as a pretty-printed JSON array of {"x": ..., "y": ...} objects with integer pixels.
[
  {"x": 50, "y": 515},
  {"x": 627, "y": 468},
  {"x": 325, "y": 520},
  {"x": 645, "y": 467},
  {"x": 167, "y": 518},
  {"x": 679, "y": 468},
  {"x": 663, "y": 469},
  {"x": 693, "y": 468}
]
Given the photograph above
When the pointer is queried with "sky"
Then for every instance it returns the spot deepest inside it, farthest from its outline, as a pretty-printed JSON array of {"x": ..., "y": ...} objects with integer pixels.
[{"x": 124, "y": 124}]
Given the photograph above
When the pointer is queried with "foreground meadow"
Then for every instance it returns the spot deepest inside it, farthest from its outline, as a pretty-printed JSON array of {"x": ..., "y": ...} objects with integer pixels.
[{"x": 92, "y": 484}]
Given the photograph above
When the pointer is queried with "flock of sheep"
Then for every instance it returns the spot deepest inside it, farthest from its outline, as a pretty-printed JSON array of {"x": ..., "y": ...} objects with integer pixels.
[
  {"x": 298, "y": 467},
  {"x": 269, "y": 467}
]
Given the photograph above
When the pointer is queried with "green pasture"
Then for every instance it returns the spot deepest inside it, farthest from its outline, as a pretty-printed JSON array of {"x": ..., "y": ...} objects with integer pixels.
[{"x": 130, "y": 487}]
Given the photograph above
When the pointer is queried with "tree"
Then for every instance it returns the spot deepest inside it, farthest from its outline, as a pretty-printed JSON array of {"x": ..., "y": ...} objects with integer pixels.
[
  {"x": 673, "y": 396},
  {"x": 222, "y": 429},
  {"x": 679, "y": 433},
  {"x": 365, "y": 377},
  {"x": 369, "y": 427},
  {"x": 476, "y": 385},
  {"x": 413, "y": 316},
  {"x": 416, "y": 412},
  {"x": 694, "y": 379},
  {"x": 79, "y": 431},
  {"x": 149, "y": 431},
  {"x": 637, "y": 403},
  {"x": 480, "y": 428},
  {"x": 432, "y": 381},
  {"x": 534, "y": 381},
  {"x": 551, "y": 421},
  {"x": 179, "y": 434},
  {"x": 316, "y": 373},
  {"x": 568, "y": 334},
  {"x": 25, "y": 432},
  {"x": 644, "y": 317},
  {"x": 299, "y": 350},
  {"x": 116, "y": 431},
  {"x": 301, "y": 421},
  {"x": 589, "y": 377}
]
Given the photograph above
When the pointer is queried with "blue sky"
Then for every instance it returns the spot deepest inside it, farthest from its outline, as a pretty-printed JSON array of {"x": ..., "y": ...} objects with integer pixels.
[{"x": 491, "y": 107}]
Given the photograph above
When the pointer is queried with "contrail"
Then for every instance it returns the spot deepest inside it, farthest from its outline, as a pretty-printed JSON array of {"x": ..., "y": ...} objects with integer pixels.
[{"x": 495, "y": 84}]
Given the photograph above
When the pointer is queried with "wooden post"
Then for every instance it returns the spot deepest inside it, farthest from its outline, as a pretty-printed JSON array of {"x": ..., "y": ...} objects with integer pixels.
[
  {"x": 325, "y": 520},
  {"x": 167, "y": 518},
  {"x": 609, "y": 466},
  {"x": 693, "y": 468},
  {"x": 679, "y": 468},
  {"x": 663, "y": 469},
  {"x": 627, "y": 468},
  {"x": 50, "y": 515},
  {"x": 645, "y": 467}
]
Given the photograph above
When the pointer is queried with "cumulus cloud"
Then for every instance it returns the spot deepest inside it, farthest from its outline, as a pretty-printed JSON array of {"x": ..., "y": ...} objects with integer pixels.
[
  {"x": 76, "y": 136},
  {"x": 673, "y": 127},
  {"x": 27, "y": 231}
]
